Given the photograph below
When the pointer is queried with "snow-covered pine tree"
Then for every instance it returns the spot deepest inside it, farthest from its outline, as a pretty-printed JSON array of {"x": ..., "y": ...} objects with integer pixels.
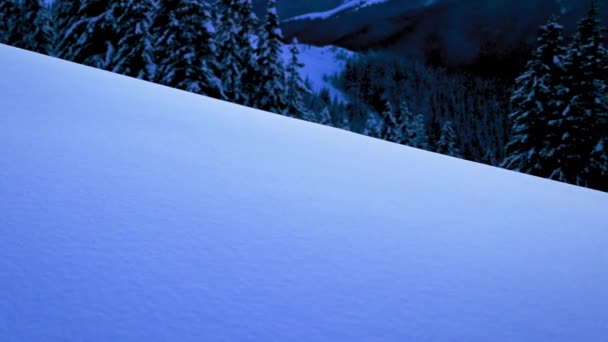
[
  {"x": 598, "y": 166},
  {"x": 113, "y": 35},
  {"x": 538, "y": 99},
  {"x": 420, "y": 138},
  {"x": 85, "y": 37},
  {"x": 50, "y": 29},
  {"x": 32, "y": 27},
  {"x": 583, "y": 121},
  {"x": 373, "y": 125},
  {"x": 64, "y": 29},
  {"x": 408, "y": 133},
  {"x": 270, "y": 93},
  {"x": 295, "y": 86},
  {"x": 411, "y": 128},
  {"x": 390, "y": 129},
  {"x": 324, "y": 117},
  {"x": 236, "y": 38},
  {"x": 489, "y": 158},
  {"x": 448, "y": 142},
  {"x": 185, "y": 47},
  {"x": 130, "y": 51},
  {"x": 9, "y": 28}
]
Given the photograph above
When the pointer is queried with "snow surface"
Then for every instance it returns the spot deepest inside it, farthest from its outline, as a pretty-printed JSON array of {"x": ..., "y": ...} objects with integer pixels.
[
  {"x": 134, "y": 212},
  {"x": 320, "y": 63}
]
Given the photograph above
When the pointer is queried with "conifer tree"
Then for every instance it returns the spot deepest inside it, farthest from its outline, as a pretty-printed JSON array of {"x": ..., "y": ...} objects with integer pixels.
[
  {"x": 113, "y": 35},
  {"x": 582, "y": 123},
  {"x": 390, "y": 129},
  {"x": 324, "y": 117},
  {"x": 407, "y": 128},
  {"x": 130, "y": 51},
  {"x": 84, "y": 39},
  {"x": 420, "y": 138},
  {"x": 31, "y": 27},
  {"x": 295, "y": 87},
  {"x": 10, "y": 12},
  {"x": 411, "y": 128},
  {"x": 537, "y": 101},
  {"x": 489, "y": 158},
  {"x": 185, "y": 47},
  {"x": 236, "y": 32},
  {"x": 447, "y": 142},
  {"x": 270, "y": 92},
  {"x": 598, "y": 166},
  {"x": 65, "y": 29},
  {"x": 372, "y": 126}
]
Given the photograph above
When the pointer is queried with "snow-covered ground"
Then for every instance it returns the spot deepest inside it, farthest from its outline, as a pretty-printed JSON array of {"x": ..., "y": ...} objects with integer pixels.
[
  {"x": 320, "y": 63},
  {"x": 134, "y": 212}
]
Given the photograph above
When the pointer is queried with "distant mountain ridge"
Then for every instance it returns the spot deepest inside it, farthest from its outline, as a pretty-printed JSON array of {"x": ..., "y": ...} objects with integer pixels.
[
  {"x": 444, "y": 32},
  {"x": 290, "y": 8},
  {"x": 345, "y": 7}
]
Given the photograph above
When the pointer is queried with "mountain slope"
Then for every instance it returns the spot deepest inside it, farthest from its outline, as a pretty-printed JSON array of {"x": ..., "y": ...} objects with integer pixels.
[
  {"x": 135, "y": 212},
  {"x": 444, "y": 32}
]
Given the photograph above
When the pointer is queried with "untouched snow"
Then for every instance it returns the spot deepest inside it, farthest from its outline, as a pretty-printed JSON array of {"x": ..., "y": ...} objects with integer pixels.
[
  {"x": 134, "y": 212},
  {"x": 319, "y": 64}
]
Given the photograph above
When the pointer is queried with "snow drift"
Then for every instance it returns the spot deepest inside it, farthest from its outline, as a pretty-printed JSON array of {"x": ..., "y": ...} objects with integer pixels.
[{"x": 131, "y": 211}]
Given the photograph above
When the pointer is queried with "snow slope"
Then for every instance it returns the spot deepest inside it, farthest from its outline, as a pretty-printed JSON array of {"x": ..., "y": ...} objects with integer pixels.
[
  {"x": 319, "y": 64},
  {"x": 134, "y": 212}
]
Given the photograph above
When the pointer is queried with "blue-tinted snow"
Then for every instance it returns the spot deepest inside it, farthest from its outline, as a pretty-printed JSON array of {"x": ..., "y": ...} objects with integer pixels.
[{"x": 134, "y": 212}]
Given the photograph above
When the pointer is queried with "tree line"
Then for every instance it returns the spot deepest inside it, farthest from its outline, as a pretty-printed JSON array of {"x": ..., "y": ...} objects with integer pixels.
[
  {"x": 217, "y": 49},
  {"x": 552, "y": 122},
  {"x": 411, "y": 103}
]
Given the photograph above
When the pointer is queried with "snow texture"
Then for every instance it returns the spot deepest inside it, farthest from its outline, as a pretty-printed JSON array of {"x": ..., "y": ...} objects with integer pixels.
[{"x": 135, "y": 212}]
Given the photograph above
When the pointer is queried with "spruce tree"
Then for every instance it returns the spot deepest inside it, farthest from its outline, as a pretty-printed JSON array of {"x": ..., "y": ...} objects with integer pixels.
[
  {"x": 420, "y": 138},
  {"x": 390, "y": 129},
  {"x": 411, "y": 128},
  {"x": 10, "y": 12},
  {"x": 537, "y": 101},
  {"x": 130, "y": 51},
  {"x": 270, "y": 92},
  {"x": 448, "y": 142},
  {"x": 408, "y": 133},
  {"x": 598, "y": 166},
  {"x": 32, "y": 27},
  {"x": 324, "y": 117},
  {"x": 489, "y": 158},
  {"x": 65, "y": 29},
  {"x": 112, "y": 34},
  {"x": 582, "y": 122},
  {"x": 84, "y": 39},
  {"x": 185, "y": 47},
  {"x": 295, "y": 87},
  {"x": 236, "y": 35}
]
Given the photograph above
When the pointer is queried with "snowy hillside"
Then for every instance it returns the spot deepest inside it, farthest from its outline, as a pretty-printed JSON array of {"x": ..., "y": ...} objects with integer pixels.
[
  {"x": 136, "y": 212},
  {"x": 319, "y": 64}
]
